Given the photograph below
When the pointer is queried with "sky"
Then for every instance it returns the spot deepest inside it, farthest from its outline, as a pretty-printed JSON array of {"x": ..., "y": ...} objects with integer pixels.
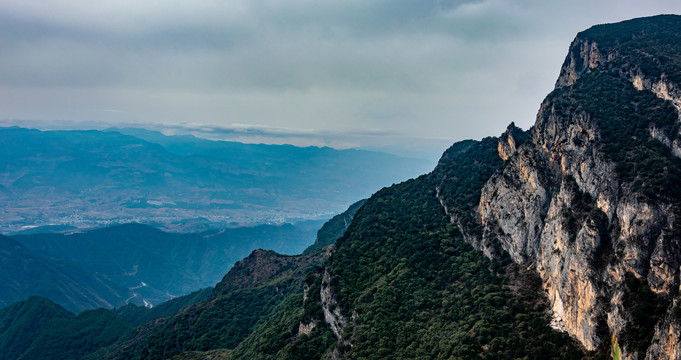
[{"x": 406, "y": 76}]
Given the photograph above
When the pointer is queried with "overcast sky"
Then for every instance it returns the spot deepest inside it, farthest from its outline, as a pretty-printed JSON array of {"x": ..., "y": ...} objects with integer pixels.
[{"x": 341, "y": 73}]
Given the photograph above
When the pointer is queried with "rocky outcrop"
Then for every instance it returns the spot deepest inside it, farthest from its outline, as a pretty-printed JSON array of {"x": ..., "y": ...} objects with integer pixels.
[
  {"x": 306, "y": 329},
  {"x": 666, "y": 90},
  {"x": 332, "y": 311},
  {"x": 662, "y": 87},
  {"x": 668, "y": 336},
  {"x": 510, "y": 140},
  {"x": 561, "y": 209},
  {"x": 560, "y": 206},
  {"x": 583, "y": 55}
]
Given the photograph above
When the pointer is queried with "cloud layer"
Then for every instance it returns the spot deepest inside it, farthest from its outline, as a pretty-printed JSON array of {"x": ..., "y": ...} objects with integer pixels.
[{"x": 424, "y": 69}]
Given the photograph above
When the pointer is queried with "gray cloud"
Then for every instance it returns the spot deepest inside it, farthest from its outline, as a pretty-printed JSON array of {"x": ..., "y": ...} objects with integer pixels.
[{"x": 429, "y": 69}]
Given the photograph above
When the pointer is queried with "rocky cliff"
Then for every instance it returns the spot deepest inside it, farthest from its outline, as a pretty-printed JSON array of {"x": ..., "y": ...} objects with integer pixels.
[{"x": 591, "y": 199}]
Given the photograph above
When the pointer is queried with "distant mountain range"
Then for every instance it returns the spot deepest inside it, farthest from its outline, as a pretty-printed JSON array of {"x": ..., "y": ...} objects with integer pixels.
[{"x": 62, "y": 180}]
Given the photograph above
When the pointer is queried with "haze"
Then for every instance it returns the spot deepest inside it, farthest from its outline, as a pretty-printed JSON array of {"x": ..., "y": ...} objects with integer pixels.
[{"x": 402, "y": 76}]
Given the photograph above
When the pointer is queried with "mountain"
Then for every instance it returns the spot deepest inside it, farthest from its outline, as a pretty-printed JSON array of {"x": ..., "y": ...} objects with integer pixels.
[
  {"x": 252, "y": 290},
  {"x": 23, "y": 274},
  {"x": 333, "y": 229},
  {"x": 590, "y": 200},
  {"x": 37, "y": 328},
  {"x": 560, "y": 242},
  {"x": 88, "y": 179},
  {"x": 40, "y": 329},
  {"x": 147, "y": 265}
]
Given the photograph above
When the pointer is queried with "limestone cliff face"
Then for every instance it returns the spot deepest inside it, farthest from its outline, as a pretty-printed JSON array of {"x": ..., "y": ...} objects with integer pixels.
[
  {"x": 583, "y": 55},
  {"x": 560, "y": 206},
  {"x": 332, "y": 312}
]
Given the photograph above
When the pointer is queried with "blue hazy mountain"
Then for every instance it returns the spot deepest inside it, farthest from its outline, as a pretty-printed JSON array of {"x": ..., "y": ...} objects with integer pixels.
[
  {"x": 145, "y": 265},
  {"x": 23, "y": 274},
  {"x": 96, "y": 178},
  {"x": 37, "y": 328}
]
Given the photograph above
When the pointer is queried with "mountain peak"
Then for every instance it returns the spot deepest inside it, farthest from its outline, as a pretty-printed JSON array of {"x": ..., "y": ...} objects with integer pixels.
[
  {"x": 643, "y": 45},
  {"x": 263, "y": 266}
]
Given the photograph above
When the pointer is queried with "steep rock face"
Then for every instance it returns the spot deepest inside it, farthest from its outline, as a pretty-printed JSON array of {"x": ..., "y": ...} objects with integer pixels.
[
  {"x": 648, "y": 62},
  {"x": 669, "y": 334},
  {"x": 573, "y": 203},
  {"x": 332, "y": 312},
  {"x": 583, "y": 55}
]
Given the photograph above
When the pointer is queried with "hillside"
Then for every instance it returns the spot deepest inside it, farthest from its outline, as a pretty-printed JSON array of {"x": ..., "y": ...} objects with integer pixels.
[
  {"x": 254, "y": 289},
  {"x": 333, "y": 229},
  {"x": 40, "y": 329},
  {"x": 147, "y": 266},
  {"x": 222, "y": 316},
  {"x": 24, "y": 274},
  {"x": 591, "y": 199}
]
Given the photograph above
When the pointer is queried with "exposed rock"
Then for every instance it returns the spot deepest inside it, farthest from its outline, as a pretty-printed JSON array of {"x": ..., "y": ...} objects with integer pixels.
[
  {"x": 306, "y": 329},
  {"x": 666, "y": 90},
  {"x": 332, "y": 312},
  {"x": 560, "y": 207},
  {"x": 533, "y": 204},
  {"x": 583, "y": 55},
  {"x": 306, "y": 290},
  {"x": 667, "y": 338},
  {"x": 455, "y": 220},
  {"x": 510, "y": 140},
  {"x": 662, "y": 87},
  {"x": 674, "y": 145}
]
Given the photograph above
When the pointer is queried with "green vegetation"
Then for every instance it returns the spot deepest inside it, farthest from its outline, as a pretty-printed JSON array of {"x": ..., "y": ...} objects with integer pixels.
[
  {"x": 254, "y": 291},
  {"x": 615, "y": 349},
  {"x": 624, "y": 116},
  {"x": 224, "y": 323},
  {"x": 278, "y": 337},
  {"x": 461, "y": 173},
  {"x": 421, "y": 291},
  {"x": 168, "y": 263},
  {"x": 218, "y": 354},
  {"x": 23, "y": 273},
  {"x": 417, "y": 288},
  {"x": 651, "y": 44},
  {"x": 333, "y": 229},
  {"x": 40, "y": 329},
  {"x": 404, "y": 277}
]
